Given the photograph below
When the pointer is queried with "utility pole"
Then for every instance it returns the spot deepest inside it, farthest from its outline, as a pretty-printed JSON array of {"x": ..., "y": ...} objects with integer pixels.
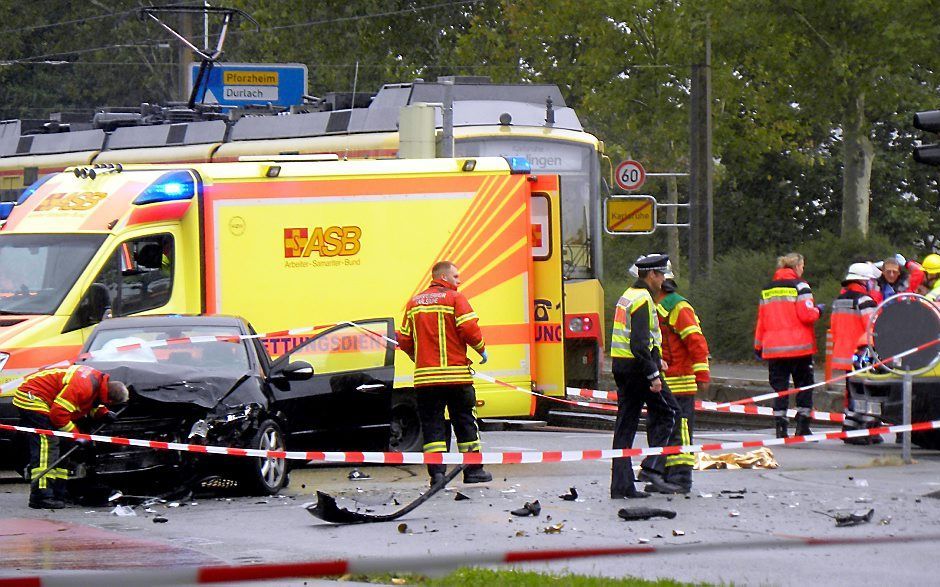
[
  {"x": 701, "y": 233},
  {"x": 185, "y": 56}
]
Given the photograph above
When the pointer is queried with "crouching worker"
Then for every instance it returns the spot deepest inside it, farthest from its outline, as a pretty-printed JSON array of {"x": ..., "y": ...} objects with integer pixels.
[
  {"x": 55, "y": 399},
  {"x": 438, "y": 327}
]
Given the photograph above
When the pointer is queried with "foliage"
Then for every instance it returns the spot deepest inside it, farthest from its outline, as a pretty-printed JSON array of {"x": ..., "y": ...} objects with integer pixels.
[{"x": 474, "y": 577}]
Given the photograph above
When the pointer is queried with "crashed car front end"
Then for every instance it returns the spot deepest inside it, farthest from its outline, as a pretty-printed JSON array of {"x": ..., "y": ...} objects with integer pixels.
[{"x": 180, "y": 405}]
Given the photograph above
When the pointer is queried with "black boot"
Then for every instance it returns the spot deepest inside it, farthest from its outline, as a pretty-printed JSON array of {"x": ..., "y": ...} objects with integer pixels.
[
  {"x": 45, "y": 500},
  {"x": 782, "y": 426},
  {"x": 476, "y": 474},
  {"x": 802, "y": 425},
  {"x": 436, "y": 473}
]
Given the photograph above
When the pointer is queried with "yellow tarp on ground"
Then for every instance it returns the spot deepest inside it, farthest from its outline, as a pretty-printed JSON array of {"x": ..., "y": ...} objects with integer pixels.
[{"x": 762, "y": 458}]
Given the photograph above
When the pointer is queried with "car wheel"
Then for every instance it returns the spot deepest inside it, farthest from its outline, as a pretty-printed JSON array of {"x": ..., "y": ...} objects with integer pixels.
[
  {"x": 267, "y": 475},
  {"x": 404, "y": 433}
]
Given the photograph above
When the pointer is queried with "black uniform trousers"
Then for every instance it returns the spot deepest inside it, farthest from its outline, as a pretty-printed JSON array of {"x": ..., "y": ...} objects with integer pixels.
[
  {"x": 633, "y": 392},
  {"x": 43, "y": 451},
  {"x": 460, "y": 401},
  {"x": 801, "y": 370}
]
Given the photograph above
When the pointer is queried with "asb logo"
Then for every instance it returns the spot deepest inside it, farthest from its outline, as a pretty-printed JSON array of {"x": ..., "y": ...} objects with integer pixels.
[
  {"x": 71, "y": 202},
  {"x": 332, "y": 241}
]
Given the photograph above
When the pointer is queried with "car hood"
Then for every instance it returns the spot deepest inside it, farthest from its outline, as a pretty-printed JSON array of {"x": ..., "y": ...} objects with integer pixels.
[{"x": 189, "y": 385}]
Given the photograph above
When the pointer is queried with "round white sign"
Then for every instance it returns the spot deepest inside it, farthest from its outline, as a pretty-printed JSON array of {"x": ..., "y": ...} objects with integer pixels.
[{"x": 630, "y": 175}]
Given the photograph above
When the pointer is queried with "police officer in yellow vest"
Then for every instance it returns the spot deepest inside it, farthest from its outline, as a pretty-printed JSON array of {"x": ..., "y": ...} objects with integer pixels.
[{"x": 637, "y": 367}]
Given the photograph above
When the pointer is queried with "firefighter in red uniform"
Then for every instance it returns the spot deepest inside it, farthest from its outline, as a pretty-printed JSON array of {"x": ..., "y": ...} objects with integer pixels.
[
  {"x": 55, "y": 399},
  {"x": 784, "y": 338},
  {"x": 685, "y": 352},
  {"x": 438, "y": 326},
  {"x": 851, "y": 313}
]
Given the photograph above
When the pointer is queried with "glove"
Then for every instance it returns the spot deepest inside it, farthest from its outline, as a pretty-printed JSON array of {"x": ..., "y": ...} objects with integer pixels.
[
  {"x": 110, "y": 417},
  {"x": 900, "y": 259},
  {"x": 484, "y": 357},
  {"x": 821, "y": 308},
  {"x": 758, "y": 354}
]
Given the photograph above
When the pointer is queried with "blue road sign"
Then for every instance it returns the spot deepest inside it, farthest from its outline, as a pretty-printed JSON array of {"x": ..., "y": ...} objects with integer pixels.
[{"x": 241, "y": 84}]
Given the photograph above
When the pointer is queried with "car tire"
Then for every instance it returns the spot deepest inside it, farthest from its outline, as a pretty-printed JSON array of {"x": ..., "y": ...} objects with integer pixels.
[
  {"x": 267, "y": 476},
  {"x": 404, "y": 434}
]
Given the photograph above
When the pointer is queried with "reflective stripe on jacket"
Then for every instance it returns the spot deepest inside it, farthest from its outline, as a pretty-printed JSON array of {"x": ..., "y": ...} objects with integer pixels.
[
  {"x": 66, "y": 395},
  {"x": 635, "y": 334},
  {"x": 685, "y": 349},
  {"x": 851, "y": 312},
  {"x": 438, "y": 326},
  {"x": 785, "y": 318}
]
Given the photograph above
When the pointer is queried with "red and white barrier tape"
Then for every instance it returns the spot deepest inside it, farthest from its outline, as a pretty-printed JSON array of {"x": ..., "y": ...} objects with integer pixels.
[
  {"x": 700, "y": 405},
  {"x": 418, "y": 564},
  {"x": 207, "y": 338},
  {"x": 486, "y": 458},
  {"x": 788, "y": 392}
]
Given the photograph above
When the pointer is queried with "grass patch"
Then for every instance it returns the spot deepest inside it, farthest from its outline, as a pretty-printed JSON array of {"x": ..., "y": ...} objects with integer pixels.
[{"x": 474, "y": 577}]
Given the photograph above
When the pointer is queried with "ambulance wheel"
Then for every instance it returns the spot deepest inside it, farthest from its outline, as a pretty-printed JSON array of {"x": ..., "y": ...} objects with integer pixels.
[
  {"x": 266, "y": 475},
  {"x": 404, "y": 431}
]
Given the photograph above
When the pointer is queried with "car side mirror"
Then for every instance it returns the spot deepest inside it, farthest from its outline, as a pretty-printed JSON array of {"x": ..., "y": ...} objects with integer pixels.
[
  {"x": 297, "y": 371},
  {"x": 94, "y": 307}
]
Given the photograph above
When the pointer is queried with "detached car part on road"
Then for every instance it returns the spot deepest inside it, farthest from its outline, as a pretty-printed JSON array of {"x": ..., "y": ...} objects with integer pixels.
[{"x": 226, "y": 392}]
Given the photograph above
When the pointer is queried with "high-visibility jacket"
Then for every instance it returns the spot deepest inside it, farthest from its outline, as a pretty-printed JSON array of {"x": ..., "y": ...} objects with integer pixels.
[
  {"x": 438, "y": 326},
  {"x": 66, "y": 395},
  {"x": 851, "y": 312},
  {"x": 635, "y": 335},
  {"x": 785, "y": 318},
  {"x": 685, "y": 349}
]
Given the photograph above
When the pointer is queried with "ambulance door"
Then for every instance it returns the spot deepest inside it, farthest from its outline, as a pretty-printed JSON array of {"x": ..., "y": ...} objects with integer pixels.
[
  {"x": 548, "y": 303},
  {"x": 352, "y": 381},
  {"x": 136, "y": 277}
]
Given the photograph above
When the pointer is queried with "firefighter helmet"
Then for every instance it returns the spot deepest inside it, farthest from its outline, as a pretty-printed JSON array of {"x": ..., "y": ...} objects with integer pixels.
[{"x": 931, "y": 263}]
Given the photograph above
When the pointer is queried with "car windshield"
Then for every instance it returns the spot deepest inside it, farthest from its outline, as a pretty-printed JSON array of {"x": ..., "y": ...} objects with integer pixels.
[
  {"x": 118, "y": 345},
  {"x": 38, "y": 270}
]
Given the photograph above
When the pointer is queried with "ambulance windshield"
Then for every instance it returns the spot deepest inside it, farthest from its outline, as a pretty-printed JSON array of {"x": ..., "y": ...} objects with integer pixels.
[{"x": 38, "y": 270}]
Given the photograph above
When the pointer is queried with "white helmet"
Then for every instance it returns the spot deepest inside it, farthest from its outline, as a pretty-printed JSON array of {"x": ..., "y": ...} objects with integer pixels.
[{"x": 862, "y": 272}]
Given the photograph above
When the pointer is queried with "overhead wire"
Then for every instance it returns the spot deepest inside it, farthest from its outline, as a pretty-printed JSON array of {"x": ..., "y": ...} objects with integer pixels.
[{"x": 158, "y": 42}]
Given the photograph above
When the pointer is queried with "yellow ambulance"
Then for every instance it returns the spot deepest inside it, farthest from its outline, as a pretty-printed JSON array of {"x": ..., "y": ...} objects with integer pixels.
[{"x": 291, "y": 243}]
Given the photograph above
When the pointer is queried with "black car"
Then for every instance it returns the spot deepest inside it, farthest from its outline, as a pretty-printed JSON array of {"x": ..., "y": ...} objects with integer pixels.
[{"x": 198, "y": 389}]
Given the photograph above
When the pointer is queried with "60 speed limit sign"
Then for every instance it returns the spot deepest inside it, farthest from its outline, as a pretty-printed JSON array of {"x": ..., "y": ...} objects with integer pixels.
[{"x": 630, "y": 175}]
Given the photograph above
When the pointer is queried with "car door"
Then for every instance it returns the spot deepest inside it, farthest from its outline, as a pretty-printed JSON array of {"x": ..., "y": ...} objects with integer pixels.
[{"x": 351, "y": 386}]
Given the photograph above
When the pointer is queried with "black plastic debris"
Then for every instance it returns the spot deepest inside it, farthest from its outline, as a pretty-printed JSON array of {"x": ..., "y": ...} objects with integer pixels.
[
  {"x": 734, "y": 491},
  {"x": 160, "y": 520},
  {"x": 357, "y": 474},
  {"x": 571, "y": 495},
  {"x": 529, "y": 509},
  {"x": 853, "y": 518},
  {"x": 460, "y": 497},
  {"x": 634, "y": 514}
]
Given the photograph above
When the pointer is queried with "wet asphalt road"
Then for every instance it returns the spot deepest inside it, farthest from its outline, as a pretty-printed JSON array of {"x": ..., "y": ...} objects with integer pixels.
[{"x": 777, "y": 503}]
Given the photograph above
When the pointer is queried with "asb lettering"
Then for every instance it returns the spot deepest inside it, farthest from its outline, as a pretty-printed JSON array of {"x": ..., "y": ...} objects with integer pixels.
[
  {"x": 71, "y": 202},
  {"x": 331, "y": 241}
]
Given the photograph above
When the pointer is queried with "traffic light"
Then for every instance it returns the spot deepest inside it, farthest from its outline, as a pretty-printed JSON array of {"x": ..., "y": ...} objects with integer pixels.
[{"x": 928, "y": 121}]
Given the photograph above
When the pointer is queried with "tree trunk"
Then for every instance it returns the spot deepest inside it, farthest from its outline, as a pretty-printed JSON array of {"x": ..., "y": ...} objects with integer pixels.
[
  {"x": 858, "y": 153},
  {"x": 672, "y": 217}
]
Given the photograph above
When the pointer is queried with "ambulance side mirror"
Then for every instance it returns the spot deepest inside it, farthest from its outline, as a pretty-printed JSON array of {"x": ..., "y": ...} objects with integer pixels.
[{"x": 94, "y": 307}]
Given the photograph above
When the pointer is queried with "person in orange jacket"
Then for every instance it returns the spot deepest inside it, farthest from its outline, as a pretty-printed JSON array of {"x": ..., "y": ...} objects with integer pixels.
[
  {"x": 55, "y": 399},
  {"x": 438, "y": 326},
  {"x": 784, "y": 337},
  {"x": 851, "y": 312},
  {"x": 685, "y": 352}
]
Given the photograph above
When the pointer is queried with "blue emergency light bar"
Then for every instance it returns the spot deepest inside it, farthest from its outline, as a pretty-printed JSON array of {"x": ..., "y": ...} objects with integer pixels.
[
  {"x": 169, "y": 187},
  {"x": 518, "y": 165},
  {"x": 32, "y": 189}
]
